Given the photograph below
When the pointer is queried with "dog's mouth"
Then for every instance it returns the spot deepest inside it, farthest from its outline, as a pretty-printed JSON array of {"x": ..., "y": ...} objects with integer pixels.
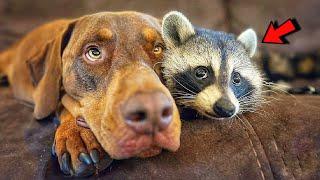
[
  {"x": 132, "y": 144},
  {"x": 144, "y": 145}
]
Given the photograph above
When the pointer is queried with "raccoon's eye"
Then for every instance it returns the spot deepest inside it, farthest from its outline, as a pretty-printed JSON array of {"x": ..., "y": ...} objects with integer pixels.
[
  {"x": 158, "y": 49},
  {"x": 236, "y": 78},
  {"x": 201, "y": 72}
]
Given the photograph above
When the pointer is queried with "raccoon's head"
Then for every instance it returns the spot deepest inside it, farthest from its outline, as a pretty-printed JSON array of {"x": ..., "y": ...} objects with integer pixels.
[{"x": 210, "y": 71}]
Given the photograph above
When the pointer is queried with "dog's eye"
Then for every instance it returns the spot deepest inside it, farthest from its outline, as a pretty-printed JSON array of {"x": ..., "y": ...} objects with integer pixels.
[
  {"x": 236, "y": 78},
  {"x": 94, "y": 54},
  {"x": 158, "y": 49},
  {"x": 201, "y": 72}
]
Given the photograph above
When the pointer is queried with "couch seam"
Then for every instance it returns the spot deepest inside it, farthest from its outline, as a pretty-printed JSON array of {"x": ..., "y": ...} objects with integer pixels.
[{"x": 264, "y": 152}]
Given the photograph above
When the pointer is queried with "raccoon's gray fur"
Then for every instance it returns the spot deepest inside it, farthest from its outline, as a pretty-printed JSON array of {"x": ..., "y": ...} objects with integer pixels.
[{"x": 210, "y": 71}]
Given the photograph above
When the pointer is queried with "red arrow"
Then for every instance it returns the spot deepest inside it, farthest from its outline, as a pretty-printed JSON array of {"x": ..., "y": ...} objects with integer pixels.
[{"x": 276, "y": 34}]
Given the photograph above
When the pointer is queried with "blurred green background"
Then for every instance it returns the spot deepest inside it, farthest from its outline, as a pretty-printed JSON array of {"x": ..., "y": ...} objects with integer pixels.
[{"x": 19, "y": 16}]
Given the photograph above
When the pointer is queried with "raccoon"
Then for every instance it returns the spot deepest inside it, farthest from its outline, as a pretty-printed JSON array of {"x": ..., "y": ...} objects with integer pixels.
[{"x": 210, "y": 71}]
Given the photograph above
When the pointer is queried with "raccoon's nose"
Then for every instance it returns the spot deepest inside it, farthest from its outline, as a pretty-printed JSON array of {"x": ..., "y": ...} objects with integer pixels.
[{"x": 224, "y": 108}]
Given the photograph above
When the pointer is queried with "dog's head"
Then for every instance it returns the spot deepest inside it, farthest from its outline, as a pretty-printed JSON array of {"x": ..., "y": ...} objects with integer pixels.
[{"x": 107, "y": 74}]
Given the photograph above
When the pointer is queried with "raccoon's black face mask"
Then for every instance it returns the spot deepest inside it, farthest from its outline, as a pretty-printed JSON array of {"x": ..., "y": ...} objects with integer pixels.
[{"x": 210, "y": 71}]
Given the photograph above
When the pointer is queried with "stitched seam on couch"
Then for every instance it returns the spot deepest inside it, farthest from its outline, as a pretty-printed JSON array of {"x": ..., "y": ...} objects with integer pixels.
[{"x": 248, "y": 127}]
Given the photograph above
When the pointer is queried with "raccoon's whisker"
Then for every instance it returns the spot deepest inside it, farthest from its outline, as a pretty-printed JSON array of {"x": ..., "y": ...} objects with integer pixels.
[
  {"x": 254, "y": 101},
  {"x": 179, "y": 91},
  {"x": 249, "y": 98},
  {"x": 184, "y": 86},
  {"x": 185, "y": 102},
  {"x": 182, "y": 93},
  {"x": 276, "y": 87},
  {"x": 154, "y": 66},
  {"x": 252, "y": 105},
  {"x": 249, "y": 105},
  {"x": 247, "y": 110},
  {"x": 245, "y": 101},
  {"x": 274, "y": 84},
  {"x": 270, "y": 92},
  {"x": 208, "y": 116},
  {"x": 258, "y": 112},
  {"x": 246, "y": 94},
  {"x": 184, "y": 97},
  {"x": 274, "y": 98},
  {"x": 262, "y": 112}
]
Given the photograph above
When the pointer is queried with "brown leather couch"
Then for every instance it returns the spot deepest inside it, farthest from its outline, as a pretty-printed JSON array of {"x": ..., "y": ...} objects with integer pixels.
[{"x": 280, "y": 141}]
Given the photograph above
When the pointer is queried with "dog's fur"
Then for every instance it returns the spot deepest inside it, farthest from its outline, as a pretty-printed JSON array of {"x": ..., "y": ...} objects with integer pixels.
[{"x": 47, "y": 67}]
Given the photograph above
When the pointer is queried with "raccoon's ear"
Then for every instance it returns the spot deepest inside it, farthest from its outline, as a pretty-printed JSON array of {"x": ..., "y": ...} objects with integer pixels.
[
  {"x": 249, "y": 39},
  {"x": 176, "y": 29}
]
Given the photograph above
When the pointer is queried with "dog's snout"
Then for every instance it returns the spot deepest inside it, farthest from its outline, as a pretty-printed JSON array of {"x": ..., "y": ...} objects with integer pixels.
[
  {"x": 224, "y": 108},
  {"x": 148, "y": 113}
]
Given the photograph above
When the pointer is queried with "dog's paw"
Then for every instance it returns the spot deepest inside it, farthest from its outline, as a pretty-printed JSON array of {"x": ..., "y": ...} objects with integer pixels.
[{"x": 78, "y": 151}]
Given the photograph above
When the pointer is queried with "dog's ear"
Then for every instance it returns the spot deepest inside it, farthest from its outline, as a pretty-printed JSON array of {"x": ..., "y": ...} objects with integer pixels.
[{"x": 46, "y": 72}]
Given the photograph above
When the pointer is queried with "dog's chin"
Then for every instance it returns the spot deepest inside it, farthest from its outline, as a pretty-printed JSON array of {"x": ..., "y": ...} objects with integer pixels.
[
  {"x": 152, "y": 151},
  {"x": 144, "y": 146}
]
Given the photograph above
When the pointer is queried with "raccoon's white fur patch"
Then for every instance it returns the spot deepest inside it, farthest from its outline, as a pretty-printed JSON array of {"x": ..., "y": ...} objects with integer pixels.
[{"x": 249, "y": 39}]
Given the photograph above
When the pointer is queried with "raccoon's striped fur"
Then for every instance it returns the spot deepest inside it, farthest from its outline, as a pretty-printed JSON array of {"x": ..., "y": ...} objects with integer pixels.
[{"x": 210, "y": 71}]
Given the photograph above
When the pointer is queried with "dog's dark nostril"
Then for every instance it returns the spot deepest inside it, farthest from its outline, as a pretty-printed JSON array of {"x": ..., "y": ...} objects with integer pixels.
[
  {"x": 166, "y": 117},
  {"x": 167, "y": 111},
  {"x": 137, "y": 116}
]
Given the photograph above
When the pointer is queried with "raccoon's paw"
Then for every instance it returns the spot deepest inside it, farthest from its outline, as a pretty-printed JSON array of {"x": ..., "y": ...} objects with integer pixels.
[{"x": 78, "y": 151}]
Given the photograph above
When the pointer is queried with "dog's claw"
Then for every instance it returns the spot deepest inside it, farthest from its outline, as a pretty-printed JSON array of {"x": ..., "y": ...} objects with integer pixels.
[
  {"x": 78, "y": 151},
  {"x": 66, "y": 163},
  {"x": 104, "y": 163},
  {"x": 94, "y": 154},
  {"x": 83, "y": 157}
]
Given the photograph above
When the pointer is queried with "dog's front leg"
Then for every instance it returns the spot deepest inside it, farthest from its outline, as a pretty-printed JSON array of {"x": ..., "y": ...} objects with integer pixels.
[{"x": 78, "y": 151}]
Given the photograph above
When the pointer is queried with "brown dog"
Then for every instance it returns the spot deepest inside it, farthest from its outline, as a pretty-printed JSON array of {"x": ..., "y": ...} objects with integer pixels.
[{"x": 100, "y": 67}]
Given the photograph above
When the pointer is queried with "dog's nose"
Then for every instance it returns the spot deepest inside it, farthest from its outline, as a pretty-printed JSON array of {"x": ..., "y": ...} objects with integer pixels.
[
  {"x": 148, "y": 113},
  {"x": 224, "y": 108}
]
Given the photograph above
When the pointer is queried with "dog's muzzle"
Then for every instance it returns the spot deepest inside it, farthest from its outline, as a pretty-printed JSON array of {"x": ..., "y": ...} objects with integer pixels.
[{"x": 148, "y": 113}]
